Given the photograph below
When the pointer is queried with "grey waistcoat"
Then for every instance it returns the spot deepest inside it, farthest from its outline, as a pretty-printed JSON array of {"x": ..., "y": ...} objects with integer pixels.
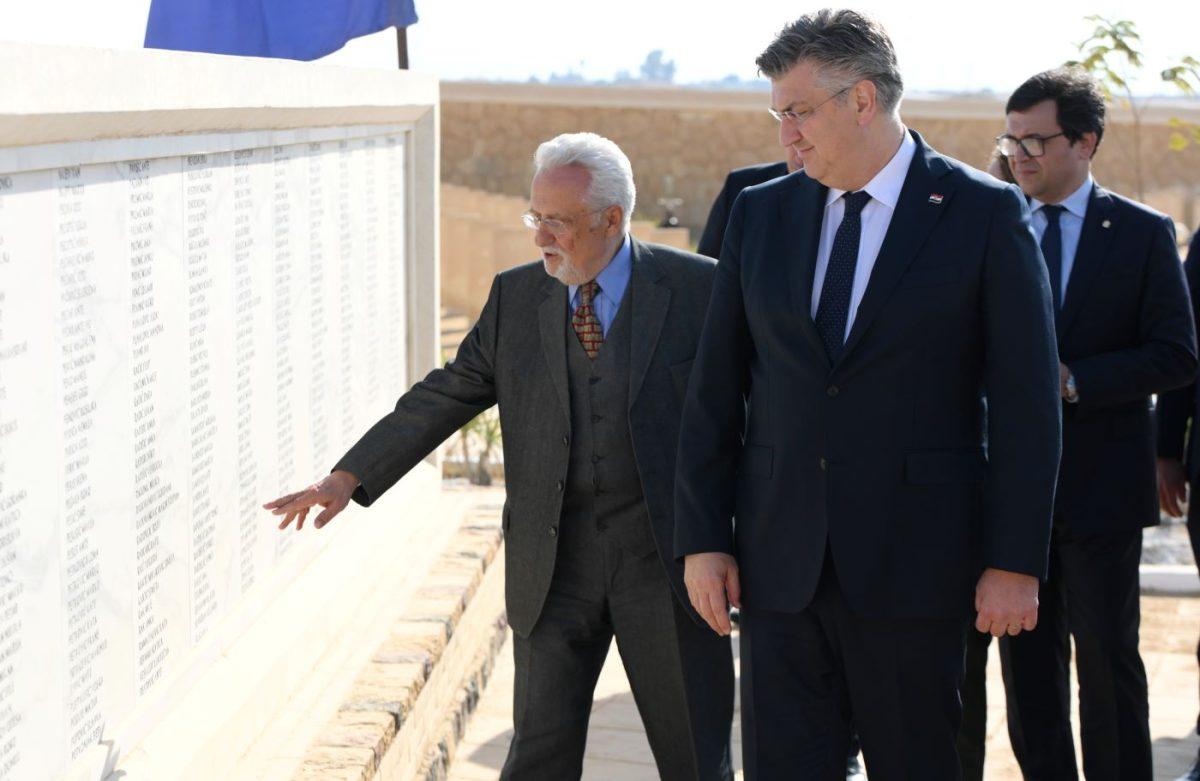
[{"x": 603, "y": 493}]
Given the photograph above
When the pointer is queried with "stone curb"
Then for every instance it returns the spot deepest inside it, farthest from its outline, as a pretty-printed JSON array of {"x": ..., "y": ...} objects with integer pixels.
[
  {"x": 374, "y": 719},
  {"x": 1176, "y": 580}
]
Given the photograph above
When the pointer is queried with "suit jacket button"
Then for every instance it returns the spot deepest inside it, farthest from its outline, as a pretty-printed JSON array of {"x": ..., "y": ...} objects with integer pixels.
[
  {"x": 553, "y": 531},
  {"x": 566, "y": 439},
  {"x": 824, "y": 464},
  {"x": 832, "y": 391},
  {"x": 560, "y": 485}
]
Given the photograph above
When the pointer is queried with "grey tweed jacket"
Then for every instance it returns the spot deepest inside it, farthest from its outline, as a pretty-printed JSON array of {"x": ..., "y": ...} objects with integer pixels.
[{"x": 516, "y": 357}]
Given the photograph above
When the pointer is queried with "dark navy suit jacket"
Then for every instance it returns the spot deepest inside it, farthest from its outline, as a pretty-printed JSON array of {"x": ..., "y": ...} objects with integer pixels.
[
  {"x": 1125, "y": 330},
  {"x": 718, "y": 217},
  {"x": 891, "y": 457}
]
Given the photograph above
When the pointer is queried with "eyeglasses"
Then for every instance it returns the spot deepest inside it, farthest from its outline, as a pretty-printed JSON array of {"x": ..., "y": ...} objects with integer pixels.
[
  {"x": 534, "y": 221},
  {"x": 1034, "y": 146},
  {"x": 798, "y": 118}
]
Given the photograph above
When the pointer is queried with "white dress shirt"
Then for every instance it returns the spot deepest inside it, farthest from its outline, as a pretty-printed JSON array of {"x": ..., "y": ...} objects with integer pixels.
[
  {"x": 884, "y": 190},
  {"x": 1070, "y": 224}
]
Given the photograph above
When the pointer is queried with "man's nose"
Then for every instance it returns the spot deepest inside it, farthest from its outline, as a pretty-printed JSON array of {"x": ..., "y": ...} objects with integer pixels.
[
  {"x": 543, "y": 237},
  {"x": 788, "y": 133}
]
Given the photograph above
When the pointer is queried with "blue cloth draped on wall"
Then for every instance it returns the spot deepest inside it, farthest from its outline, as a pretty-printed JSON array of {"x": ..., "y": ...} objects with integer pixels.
[{"x": 291, "y": 29}]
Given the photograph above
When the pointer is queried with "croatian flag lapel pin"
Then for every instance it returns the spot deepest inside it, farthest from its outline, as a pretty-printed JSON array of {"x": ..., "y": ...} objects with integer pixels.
[{"x": 935, "y": 198}]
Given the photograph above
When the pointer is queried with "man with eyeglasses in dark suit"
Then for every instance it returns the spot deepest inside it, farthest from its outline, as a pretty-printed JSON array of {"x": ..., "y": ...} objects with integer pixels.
[{"x": 1124, "y": 330}]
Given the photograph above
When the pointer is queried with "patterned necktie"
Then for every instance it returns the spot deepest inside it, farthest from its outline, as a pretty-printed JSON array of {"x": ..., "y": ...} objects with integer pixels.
[
  {"x": 833, "y": 309},
  {"x": 585, "y": 322},
  {"x": 1052, "y": 251}
]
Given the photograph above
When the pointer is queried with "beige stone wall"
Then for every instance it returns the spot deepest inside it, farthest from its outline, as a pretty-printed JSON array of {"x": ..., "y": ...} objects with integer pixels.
[{"x": 694, "y": 137}]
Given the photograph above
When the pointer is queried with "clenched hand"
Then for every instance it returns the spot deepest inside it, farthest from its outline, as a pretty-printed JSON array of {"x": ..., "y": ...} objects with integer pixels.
[
  {"x": 333, "y": 493},
  {"x": 1007, "y": 602}
]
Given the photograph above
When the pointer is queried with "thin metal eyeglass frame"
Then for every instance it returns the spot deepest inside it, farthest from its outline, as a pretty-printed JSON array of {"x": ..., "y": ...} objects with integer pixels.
[{"x": 798, "y": 118}]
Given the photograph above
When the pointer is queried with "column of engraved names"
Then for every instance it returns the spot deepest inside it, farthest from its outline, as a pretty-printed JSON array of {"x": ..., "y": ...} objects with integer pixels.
[
  {"x": 317, "y": 312},
  {"x": 198, "y": 204},
  {"x": 245, "y": 301},
  {"x": 12, "y": 497},
  {"x": 153, "y": 493},
  {"x": 371, "y": 260},
  {"x": 285, "y": 438},
  {"x": 397, "y": 306},
  {"x": 77, "y": 270},
  {"x": 345, "y": 232}
]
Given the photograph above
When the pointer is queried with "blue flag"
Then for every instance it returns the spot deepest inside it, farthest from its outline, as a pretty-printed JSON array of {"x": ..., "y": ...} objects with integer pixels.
[{"x": 291, "y": 29}]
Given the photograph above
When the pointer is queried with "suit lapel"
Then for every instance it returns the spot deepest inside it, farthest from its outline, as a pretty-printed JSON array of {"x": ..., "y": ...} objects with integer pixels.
[
  {"x": 801, "y": 210},
  {"x": 650, "y": 301},
  {"x": 552, "y": 324},
  {"x": 915, "y": 215},
  {"x": 1095, "y": 238}
]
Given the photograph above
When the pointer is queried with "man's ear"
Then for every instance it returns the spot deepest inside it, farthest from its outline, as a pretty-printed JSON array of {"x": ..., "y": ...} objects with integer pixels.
[
  {"x": 1087, "y": 145},
  {"x": 614, "y": 217},
  {"x": 866, "y": 101}
]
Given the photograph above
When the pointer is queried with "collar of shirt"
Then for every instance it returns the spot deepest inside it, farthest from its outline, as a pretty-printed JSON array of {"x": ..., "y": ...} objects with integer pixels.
[
  {"x": 612, "y": 279},
  {"x": 886, "y": 185},
  {"x": 1076, "y": 203}
]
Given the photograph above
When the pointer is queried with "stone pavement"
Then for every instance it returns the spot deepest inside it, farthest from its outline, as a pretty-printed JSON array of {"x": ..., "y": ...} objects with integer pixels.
[{"x": 617, "y": 748}]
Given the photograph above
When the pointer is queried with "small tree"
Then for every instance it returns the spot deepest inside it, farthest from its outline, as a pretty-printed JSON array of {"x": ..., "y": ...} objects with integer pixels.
[
  {"x": 1185, "y": 76},
  {"x": 1111, "y": 54}
]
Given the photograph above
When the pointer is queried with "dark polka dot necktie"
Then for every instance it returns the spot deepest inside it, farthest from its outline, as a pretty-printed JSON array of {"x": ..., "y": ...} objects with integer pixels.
[
  {"x": 585, "y": 322},
  {"x": 1052, "y": 250},
  {"x": 834, "y": 307}
]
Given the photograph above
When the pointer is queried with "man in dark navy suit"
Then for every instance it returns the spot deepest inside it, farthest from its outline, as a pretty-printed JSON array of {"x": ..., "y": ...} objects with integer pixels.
[
  {"x": 1179, "y": 476},
  {"x": 1125, "y": 332},
  {"x": 710, "y": 244},
  {"x": 861, "y": 308}
]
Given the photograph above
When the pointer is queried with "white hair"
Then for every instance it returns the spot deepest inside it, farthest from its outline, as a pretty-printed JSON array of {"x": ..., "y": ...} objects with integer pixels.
[{"x": 612, "y": 175}]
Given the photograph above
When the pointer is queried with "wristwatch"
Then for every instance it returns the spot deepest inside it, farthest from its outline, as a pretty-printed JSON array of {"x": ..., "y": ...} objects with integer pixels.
[{"x": 1072, "y": 394}]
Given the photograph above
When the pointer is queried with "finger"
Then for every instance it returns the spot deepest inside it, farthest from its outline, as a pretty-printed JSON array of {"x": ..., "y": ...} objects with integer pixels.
[
  {"x": 1029, "y": 621},
  {"x": 997, "y": 628},
  {"x": 286, "y": 507},
  {"x": 281, "y": 501},
  {"x": 1014, "y": 629},
  {"x": 982, "y": 624},
  {"x": 300, "y": 518},
  {"x": 720, "y": 610},
  {"x": 284, "y": 523},
  {"x": 326, "y": 516},
  {"x": 733, "y": 587}
]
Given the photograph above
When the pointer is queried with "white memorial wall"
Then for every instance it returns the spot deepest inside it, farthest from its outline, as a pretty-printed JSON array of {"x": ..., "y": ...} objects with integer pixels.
[{"x": 183, "y": 336}]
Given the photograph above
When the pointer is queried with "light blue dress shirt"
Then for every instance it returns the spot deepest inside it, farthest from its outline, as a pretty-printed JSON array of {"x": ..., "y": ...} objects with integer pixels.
[
  {"x": 1070, "y": 223},
  {"x": 612, "y": 281}
]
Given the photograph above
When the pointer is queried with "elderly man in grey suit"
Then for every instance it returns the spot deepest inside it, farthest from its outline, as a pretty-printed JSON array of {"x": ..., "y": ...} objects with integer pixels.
[{"x": 587, "y": 354}]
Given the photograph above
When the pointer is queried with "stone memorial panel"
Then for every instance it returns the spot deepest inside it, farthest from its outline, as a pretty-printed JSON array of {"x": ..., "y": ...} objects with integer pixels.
[{"x": 183, "y": 335}]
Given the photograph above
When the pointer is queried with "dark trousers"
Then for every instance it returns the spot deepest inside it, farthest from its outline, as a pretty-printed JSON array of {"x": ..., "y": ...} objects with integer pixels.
[
  {"x": 597, "y": 593},
  {"x": 972, "y": 736},
  {"x": 1091, "y": 594},
  {"x": 806, "y": 675}
]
